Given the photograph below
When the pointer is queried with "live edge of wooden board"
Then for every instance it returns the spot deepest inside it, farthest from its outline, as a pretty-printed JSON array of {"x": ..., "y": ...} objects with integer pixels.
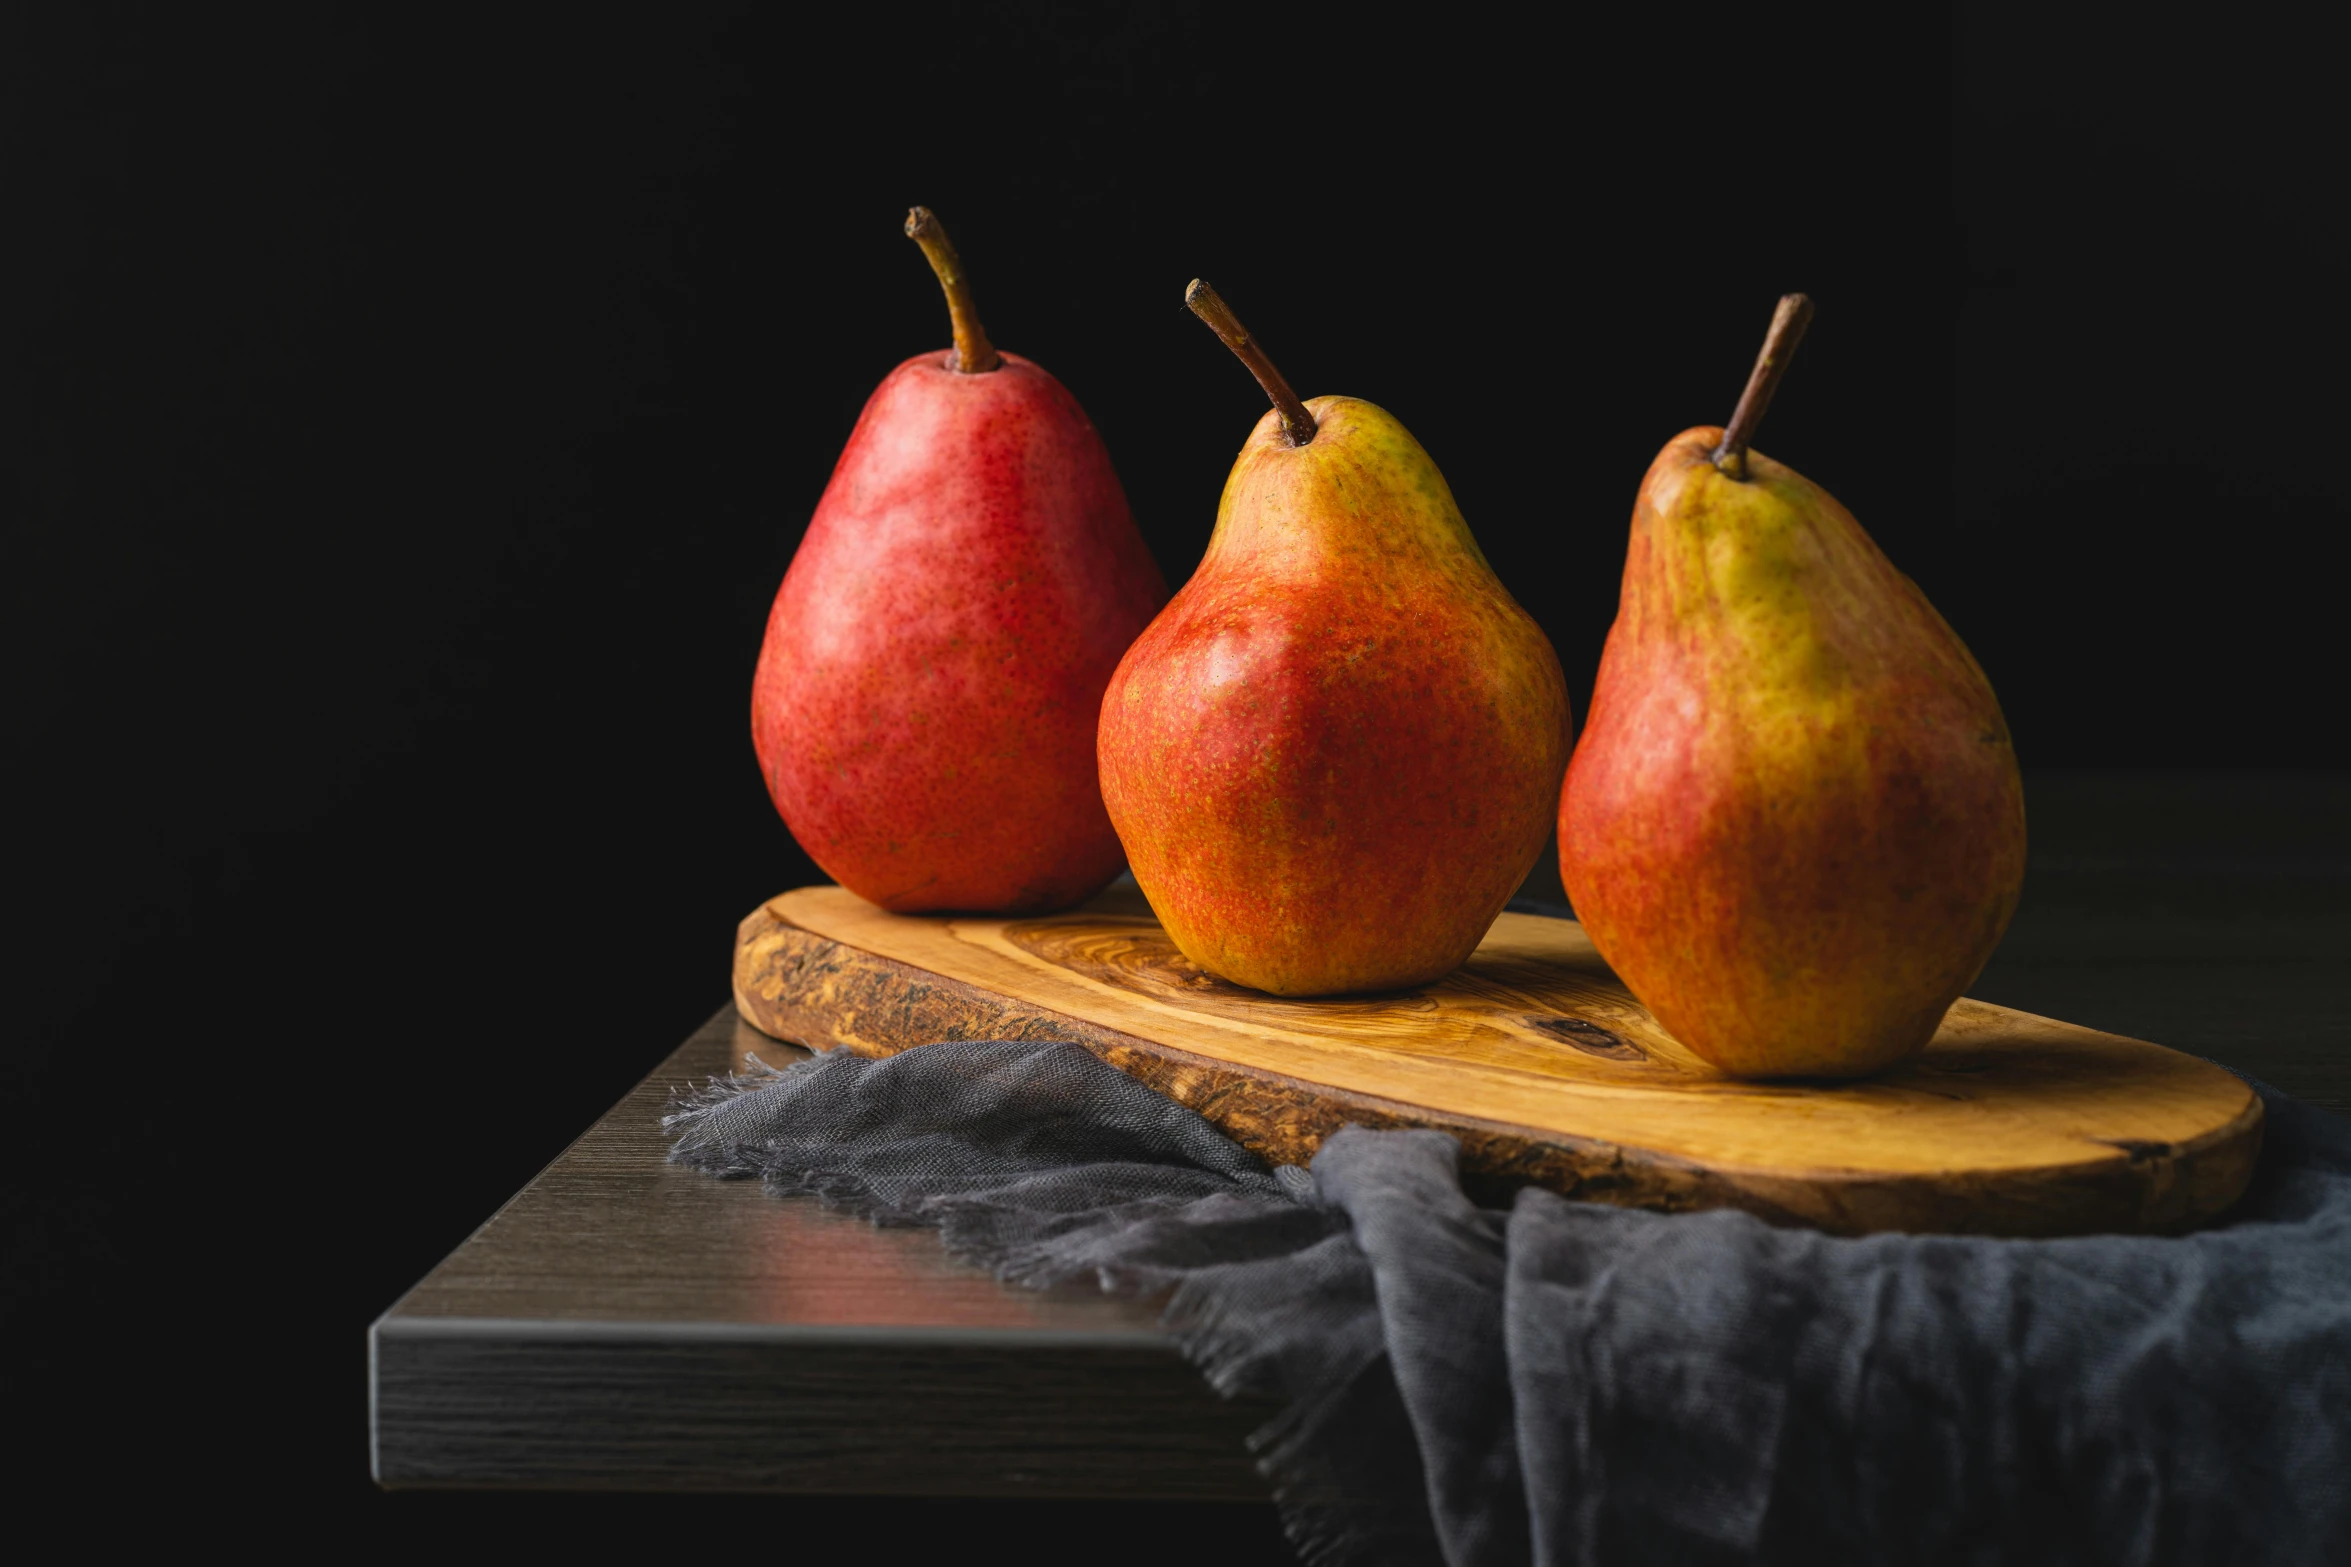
[{"x": 1545, "y": 1068}]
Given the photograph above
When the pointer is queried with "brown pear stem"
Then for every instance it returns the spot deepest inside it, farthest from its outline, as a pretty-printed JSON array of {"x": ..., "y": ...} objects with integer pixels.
[
  {"x": 974, "y": 354},
  {"x": 1210, "y": 307},
  {"x": 1779, "y": 346}
]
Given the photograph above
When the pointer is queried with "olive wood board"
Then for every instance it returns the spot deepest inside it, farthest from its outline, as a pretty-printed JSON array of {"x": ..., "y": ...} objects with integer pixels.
[{"x": 1544, "y": 1067}]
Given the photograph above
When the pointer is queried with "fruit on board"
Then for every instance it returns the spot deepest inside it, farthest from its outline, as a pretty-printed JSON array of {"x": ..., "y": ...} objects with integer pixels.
[
  {"x": 1794, "y": 825},
  {"x": 926, "y": 698},
  {"x": 1334, "y": 756}
]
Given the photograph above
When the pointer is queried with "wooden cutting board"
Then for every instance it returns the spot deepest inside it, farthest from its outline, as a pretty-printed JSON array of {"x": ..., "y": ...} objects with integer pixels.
[{"x": 1545, "y": 1068}]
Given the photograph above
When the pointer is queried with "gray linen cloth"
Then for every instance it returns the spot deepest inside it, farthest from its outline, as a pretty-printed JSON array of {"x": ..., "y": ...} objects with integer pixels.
[{"x": 1564, "y": 1382}]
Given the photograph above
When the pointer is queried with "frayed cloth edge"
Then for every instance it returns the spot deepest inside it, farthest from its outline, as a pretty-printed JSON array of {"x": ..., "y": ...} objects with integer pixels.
[{"x": 1320, "y": 1529}]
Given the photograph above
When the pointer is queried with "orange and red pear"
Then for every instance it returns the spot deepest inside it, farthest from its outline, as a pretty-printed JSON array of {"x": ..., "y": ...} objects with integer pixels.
[{"x": 1335, "y": 754}]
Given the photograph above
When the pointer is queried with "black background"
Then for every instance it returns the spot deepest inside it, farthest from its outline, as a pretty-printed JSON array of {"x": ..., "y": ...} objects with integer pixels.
[{"x": 410, "y": 425}]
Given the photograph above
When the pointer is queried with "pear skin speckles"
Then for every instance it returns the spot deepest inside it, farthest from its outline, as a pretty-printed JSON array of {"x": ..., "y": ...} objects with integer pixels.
[
  {"x": 1336, "y": 753},
  {"x": 1794, "y": 825},
  {"x": 925, "y": 702}
]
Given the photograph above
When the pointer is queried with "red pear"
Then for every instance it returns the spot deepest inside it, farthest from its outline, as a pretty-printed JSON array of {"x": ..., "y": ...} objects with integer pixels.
[
  {"x": 1794, "y": 826},
  {"x": 926, "y": 700}
]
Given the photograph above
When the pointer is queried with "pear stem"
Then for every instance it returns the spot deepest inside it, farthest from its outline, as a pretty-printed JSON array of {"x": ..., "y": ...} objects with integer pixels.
[
  {"x": 974, "y": 354},
  {"x": 1210, "y": 307},
  {"x": 1779, "y": 346}
]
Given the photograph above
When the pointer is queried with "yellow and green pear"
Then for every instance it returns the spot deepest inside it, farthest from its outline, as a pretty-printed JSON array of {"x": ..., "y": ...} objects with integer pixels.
[{"x": 1794, "y": 826}]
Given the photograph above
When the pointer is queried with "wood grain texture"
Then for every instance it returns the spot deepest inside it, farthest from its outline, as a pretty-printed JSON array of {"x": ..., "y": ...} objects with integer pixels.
[
  {"x": 625, "y": 1323},
  {"x": 459, "y": 1405},
  {"x": 1545, "y": 1068}
]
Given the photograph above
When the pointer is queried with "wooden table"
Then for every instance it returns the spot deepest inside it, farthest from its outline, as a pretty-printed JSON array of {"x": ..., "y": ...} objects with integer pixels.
[{"x": 622, "y": 1324}]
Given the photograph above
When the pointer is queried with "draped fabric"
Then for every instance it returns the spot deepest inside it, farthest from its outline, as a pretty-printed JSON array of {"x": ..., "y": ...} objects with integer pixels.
[{"x": 1569, "y": 1383}]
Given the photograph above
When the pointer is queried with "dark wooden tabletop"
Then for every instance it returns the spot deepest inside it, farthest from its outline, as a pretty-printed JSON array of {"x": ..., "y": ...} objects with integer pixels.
[{"x": 622, "y": 1324}]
